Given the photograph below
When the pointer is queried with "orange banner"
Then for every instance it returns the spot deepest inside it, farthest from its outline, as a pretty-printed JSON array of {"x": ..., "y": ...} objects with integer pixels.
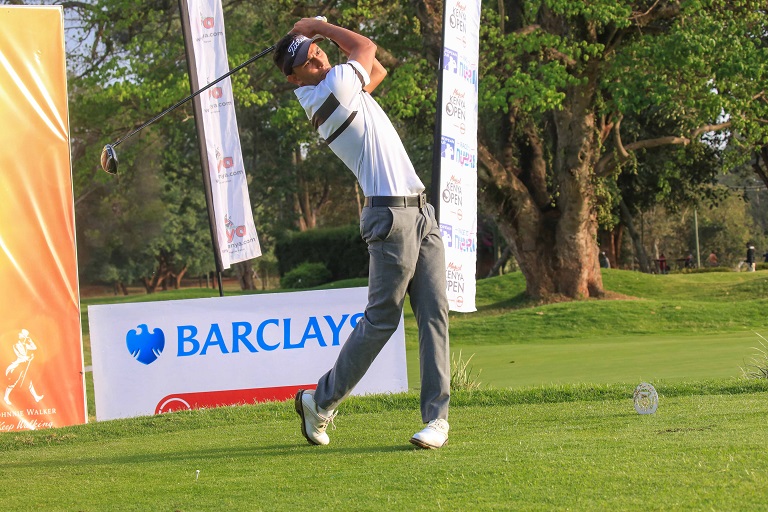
[{"x": 41, "y": 356}]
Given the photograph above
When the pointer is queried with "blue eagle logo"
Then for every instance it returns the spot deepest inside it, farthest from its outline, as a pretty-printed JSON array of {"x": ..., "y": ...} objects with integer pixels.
[{"x": 143, "y": 345}]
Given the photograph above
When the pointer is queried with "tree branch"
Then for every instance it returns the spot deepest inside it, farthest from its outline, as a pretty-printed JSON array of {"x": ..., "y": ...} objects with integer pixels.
[{"x": 609, "y": 161}]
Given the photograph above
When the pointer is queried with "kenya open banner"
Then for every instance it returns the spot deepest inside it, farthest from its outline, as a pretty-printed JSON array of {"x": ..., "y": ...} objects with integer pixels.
[
  {"x": 458, "y": 149},
  {"x": 156, "y": 357},
  {"x": 41, "y": 357},
  {"x": 235, "y": 231}
]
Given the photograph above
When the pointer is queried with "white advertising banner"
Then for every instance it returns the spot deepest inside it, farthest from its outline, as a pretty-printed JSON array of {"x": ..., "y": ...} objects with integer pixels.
[
  {"x": 458, "y": 150},
  {"x": 235, "y": 229},
  {"x": 156, "y": 357}
]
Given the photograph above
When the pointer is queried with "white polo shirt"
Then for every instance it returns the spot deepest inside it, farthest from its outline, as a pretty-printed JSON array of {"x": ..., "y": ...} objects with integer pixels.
[{"x": 359, "y": 132}]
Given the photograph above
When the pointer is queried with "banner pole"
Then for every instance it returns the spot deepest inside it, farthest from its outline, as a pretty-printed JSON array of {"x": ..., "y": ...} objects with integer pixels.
[
  {"x": 197, "y": 110},
  {"x": 437, "y": 137}
]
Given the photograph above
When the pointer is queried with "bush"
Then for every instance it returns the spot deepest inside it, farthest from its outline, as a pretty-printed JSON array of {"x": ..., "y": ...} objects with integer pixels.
[
  {"x": 340, "y": 249},
  {"x": 306, "y": 275}
]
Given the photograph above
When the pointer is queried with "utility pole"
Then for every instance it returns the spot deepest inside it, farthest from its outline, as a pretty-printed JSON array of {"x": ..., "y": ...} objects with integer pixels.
[{"x": 696, "y": 230}]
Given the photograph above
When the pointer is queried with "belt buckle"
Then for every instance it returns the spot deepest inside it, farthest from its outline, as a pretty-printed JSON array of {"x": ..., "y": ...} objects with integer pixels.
[{"x": 422, "y": 201}]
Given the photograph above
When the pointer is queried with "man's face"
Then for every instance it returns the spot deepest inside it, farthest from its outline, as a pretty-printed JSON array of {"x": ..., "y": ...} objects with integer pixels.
[{"x": 313, "y": 70}]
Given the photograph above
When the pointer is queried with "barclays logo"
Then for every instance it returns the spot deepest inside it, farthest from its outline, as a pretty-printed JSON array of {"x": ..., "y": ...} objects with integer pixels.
[{"x": 143, "y": 345}]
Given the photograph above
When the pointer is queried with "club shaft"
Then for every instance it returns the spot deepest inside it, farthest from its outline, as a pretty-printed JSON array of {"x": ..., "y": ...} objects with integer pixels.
[{"x": 196, "y": 93}]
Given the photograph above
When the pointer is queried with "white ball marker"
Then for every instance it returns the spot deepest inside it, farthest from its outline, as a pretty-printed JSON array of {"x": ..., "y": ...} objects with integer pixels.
[{"x": 646, "y": 399}]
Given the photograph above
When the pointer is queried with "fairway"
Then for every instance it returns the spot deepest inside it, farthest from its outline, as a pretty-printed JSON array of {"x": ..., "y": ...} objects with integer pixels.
[{"x": 605, "y": 360}]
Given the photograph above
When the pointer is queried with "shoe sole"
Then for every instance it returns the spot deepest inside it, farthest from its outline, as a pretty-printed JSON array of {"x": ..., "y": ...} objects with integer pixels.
[
  {"x": 299, "y": 406},
  {"x": 426, "y": 446}
]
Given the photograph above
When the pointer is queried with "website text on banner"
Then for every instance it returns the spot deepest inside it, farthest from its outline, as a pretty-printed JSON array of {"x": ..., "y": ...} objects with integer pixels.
[
  {"x": 158, "y": 357},
  {"x": 41, "y": 356},
  {"x": 458, "y": 150},
  {"x": 234, "y": 225}
]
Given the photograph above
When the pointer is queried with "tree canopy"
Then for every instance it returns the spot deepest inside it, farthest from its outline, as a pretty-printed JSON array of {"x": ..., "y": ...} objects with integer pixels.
[{"x": 590, "y": 113}]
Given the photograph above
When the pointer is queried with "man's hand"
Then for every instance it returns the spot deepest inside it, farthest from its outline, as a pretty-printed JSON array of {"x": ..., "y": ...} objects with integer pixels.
[{"x": 355, "y": 46}]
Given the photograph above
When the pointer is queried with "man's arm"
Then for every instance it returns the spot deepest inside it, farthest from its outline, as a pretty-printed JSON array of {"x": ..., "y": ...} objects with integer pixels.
[
  {"x": 377, "y": 75},
  {"x": 355, "y": 46}
]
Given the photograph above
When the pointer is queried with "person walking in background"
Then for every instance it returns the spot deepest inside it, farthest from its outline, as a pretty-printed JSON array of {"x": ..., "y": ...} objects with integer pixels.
[
  {"x": 604, "y": 261},
  {"x": 406, "y": 251},
  {"x": 750, "y": 261},
  {"x": 712, "y": 259},
  {"x": 663, "y": 268}
]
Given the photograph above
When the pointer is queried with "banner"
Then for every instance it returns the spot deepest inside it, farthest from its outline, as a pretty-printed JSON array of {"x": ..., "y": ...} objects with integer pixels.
[
  {"x": 156, "y": 357},
  {"x": 41, "y": 356},
  {"x": 233, "y": 223},
  {"x": 458, "y": 149}
]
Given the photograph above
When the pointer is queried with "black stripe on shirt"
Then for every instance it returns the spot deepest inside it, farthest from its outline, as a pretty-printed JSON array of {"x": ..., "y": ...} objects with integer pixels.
[
  {"x": 325, "y": 111},
  {"x": 359, "y": 75},
  {"x": 341, "y": 128}
]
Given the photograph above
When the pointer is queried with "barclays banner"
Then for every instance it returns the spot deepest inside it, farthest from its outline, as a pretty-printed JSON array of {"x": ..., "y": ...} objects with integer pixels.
[{"x": 156, "y": 357}]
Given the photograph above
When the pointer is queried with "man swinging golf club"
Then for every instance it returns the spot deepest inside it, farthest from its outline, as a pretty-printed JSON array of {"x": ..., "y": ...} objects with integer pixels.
[{"x": 404, "y": 244}]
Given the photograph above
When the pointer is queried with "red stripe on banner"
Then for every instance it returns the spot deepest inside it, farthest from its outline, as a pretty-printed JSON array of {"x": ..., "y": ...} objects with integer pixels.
[{"x": 206, "y": 399}]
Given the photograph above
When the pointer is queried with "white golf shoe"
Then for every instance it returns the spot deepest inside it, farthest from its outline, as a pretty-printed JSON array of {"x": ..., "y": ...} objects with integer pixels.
[
  {"x": 314, "y": 420},
  {"x": 433, "y": 436}
]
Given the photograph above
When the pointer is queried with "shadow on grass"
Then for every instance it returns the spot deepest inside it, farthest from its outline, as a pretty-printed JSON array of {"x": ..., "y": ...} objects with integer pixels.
[{"x": 142, "y": 456}]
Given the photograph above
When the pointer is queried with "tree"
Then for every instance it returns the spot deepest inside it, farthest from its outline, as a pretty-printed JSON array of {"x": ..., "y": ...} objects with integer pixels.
[{"x": 557, "y": 79}]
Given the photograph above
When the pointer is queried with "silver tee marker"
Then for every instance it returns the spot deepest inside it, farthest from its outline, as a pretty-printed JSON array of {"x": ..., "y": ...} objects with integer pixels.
[{"x": 646, "y": 399}]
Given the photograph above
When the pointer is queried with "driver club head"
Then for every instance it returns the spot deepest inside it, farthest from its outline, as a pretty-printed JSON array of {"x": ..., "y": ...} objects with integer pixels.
[{"x": 109, "y": 159}]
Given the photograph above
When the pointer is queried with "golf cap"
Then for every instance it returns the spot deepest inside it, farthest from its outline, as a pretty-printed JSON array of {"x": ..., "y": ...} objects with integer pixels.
[{"x": 295, "y": 54}]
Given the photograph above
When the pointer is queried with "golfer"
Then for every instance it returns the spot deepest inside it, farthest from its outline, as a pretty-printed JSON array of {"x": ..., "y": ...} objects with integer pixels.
[{"x": 404, "y": 244}]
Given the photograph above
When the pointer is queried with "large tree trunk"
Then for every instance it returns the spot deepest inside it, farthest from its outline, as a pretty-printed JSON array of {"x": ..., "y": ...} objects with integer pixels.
[
  {"x": 553, "y": 234},
  {"x": 244, "y": 272},
  {"x": 577, "y": 267},
  {"x": 642, "y": 256}
]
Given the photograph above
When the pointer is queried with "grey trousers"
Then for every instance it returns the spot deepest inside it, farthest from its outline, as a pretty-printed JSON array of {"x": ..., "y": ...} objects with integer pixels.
[{"x": 406, "y": 255}]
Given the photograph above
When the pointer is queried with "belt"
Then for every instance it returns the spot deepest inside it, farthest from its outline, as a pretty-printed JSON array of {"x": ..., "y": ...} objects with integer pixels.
[{"x": 418, "y": 201}]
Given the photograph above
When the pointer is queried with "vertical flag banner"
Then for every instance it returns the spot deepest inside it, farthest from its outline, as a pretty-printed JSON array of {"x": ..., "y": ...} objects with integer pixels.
[
  {"x": 458, "y": 149},
  {"x": 234, "y": 228},
  {"x": 41, "y": 357}
]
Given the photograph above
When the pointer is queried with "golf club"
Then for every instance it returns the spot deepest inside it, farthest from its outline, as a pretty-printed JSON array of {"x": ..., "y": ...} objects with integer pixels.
[{"x": 109, "y": 160}]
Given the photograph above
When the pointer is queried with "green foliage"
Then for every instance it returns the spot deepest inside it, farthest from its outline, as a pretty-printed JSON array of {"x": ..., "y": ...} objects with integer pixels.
[
  {"x": 306, "y": 275},
  {"x": 340, "y": 249},
  {"x": 665, "y": 74}
]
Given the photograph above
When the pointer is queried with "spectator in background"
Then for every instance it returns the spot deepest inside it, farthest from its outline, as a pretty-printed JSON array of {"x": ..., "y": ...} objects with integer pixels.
[
  {"x": 750, "y": 261},
  {"x": 689, "y": 261},
  {"x": 604, "y": 261},
  {"x": 712, "y": 259},
  {"x": 663, "y": 268},
  {"x": 765, "y": 257}
]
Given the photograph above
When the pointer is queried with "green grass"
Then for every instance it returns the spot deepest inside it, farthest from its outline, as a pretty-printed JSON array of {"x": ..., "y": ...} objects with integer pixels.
[
  {"x": 552, "y": 427},
  {"x": 550, "y": 448}
]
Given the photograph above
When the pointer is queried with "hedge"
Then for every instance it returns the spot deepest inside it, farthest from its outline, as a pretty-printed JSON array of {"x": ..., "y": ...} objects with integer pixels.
[{"x": 340, "y": 249}]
